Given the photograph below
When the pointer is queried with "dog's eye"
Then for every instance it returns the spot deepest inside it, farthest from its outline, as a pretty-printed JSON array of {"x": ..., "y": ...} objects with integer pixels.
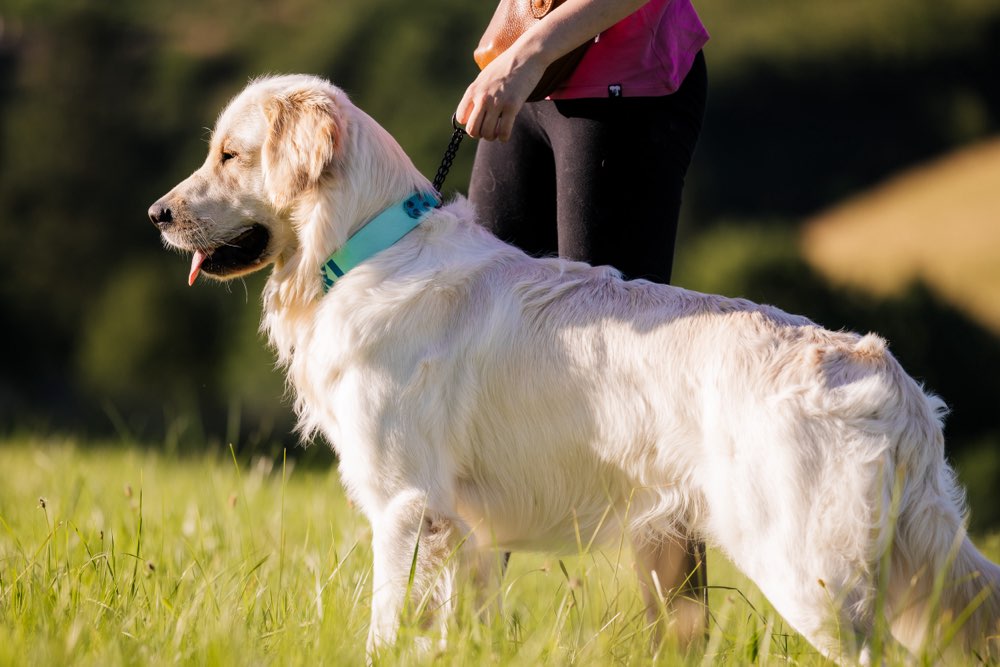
[{"x": 227, "y": 156}]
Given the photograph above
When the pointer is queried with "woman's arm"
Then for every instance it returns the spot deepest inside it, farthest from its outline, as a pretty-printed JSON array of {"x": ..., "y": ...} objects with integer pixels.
[{"x": 496, "y": 96}]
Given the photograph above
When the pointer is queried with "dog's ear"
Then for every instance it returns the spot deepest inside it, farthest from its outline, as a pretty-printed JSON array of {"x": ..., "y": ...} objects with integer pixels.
[{"x": 303, "y": 140}]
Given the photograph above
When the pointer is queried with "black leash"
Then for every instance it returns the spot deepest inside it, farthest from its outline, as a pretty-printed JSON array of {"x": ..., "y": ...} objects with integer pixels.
[{"x": 449, "y": 154}]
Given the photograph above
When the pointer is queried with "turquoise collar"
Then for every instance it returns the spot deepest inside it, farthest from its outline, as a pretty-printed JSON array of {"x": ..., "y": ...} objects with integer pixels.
[{"x": 381, "y": 232}]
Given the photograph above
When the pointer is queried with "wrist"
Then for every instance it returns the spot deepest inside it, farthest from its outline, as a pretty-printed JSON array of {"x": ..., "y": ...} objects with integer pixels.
[{"x": 531, "y": 51}]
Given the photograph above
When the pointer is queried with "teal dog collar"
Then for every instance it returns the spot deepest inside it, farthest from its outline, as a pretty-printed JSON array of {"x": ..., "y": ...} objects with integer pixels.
[{"x": 380, "y": 233}]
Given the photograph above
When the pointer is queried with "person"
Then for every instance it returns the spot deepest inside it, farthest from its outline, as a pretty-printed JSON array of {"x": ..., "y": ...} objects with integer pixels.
[{"x": 595, "y": 171}]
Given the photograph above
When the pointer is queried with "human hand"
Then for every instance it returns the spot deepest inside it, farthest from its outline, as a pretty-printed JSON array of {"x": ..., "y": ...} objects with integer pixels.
[{"x": 493, "y": 100}]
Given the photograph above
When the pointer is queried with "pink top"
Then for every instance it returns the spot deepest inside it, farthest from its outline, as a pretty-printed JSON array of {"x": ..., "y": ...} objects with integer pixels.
[{"x": 646, "y": 54}]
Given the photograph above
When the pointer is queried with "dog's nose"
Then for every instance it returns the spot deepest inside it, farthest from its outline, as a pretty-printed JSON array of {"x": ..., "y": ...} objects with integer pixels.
[{"x": 160, "y": 215}]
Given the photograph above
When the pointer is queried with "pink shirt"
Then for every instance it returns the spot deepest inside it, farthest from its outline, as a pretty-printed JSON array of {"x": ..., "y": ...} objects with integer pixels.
[{"x": 646, "y": 54}]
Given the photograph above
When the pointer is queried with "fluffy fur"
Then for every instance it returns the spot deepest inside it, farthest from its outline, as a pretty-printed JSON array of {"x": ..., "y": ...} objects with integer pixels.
[{"x": 479, "y": 397}]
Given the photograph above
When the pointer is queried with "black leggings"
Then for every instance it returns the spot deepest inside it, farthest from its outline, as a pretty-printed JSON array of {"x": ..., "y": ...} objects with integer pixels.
[{"x": 607, "y": 171}]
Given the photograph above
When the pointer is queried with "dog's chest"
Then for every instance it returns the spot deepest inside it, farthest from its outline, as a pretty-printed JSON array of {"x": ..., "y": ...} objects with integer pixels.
[{"x": 344, "y": 389}]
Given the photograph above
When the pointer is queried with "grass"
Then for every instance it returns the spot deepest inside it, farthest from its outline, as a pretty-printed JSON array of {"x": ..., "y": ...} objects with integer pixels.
[{"x": 115, "y": 555}]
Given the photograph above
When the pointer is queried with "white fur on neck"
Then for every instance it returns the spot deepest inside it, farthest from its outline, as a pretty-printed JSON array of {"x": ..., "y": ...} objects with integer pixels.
[{"x": 376, "y": 174}]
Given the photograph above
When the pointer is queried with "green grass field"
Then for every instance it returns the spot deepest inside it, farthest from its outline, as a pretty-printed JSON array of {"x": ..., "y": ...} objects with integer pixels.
[{"x": 115, "y": 555}]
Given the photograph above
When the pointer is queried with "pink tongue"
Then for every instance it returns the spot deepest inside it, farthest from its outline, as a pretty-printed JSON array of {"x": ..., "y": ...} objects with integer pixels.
[{"x": 196, "y": 261}]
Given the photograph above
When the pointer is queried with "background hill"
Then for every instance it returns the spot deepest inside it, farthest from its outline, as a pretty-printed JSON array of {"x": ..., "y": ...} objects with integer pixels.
[
  {"x": 938, "y": 223},
  {"x": 103, "y": 107}
]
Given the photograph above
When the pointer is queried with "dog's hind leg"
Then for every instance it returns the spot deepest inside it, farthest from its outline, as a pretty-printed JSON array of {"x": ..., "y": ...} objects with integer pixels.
[
  {"x": 672, "y": 577},
  {"x": 824, "y": 602},
  {"x": 832, "y": 601},
  {"x": 413, "y": 569}
]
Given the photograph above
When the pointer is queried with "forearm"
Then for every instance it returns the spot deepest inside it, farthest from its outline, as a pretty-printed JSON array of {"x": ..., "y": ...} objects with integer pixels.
[
  {"x": 568, "y": 26},
  {"x": 496, "y": 96}
]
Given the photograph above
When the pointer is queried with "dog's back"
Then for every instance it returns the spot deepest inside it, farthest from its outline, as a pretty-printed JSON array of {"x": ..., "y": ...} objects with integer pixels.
[{"x": 546, "y": 392}]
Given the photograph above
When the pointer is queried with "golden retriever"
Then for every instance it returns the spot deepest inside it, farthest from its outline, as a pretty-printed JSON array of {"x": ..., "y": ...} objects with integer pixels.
[{"x": 480, "y": 400}]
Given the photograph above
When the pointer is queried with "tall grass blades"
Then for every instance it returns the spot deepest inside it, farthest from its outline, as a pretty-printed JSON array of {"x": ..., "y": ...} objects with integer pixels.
[{"x": 113, "y": 555}]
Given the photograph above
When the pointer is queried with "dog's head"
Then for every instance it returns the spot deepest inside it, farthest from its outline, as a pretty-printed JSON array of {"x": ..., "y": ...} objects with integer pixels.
[{"x": 278, "y": 149}]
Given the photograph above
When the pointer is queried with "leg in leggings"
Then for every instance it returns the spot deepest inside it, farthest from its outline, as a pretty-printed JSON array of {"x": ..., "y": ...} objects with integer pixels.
[
  {"x": 607, "y": 173},
  {"x": 513, "y": 187}
]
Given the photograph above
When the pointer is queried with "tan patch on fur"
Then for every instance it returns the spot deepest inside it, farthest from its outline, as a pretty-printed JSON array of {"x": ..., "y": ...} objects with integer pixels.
[
  {"x": 303, "y": 142},
  {"x": 870, "y": 349}
]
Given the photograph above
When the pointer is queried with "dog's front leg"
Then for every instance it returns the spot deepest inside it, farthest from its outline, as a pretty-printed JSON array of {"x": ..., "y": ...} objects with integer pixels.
[
  {"x": 411, "y": 566},
  {"x": 673, "y": 579}
]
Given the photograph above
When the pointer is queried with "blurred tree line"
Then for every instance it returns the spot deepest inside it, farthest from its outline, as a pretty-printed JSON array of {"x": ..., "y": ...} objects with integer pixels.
[{"x": 104, "y": 106}]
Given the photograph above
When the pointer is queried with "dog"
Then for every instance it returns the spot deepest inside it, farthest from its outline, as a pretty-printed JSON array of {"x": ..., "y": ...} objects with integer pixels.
[{"x": 481, "y": 401}]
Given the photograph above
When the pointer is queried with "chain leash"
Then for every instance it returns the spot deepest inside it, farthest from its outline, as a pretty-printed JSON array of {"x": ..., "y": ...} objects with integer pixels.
[{"x": 449, "y": 154}]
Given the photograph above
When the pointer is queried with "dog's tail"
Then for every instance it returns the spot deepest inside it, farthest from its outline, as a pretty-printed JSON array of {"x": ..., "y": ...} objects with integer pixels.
[{"x": 943, "y": 594}]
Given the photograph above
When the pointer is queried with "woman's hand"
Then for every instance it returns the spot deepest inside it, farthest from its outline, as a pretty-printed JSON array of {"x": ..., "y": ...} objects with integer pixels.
[{"x": 494, "y": 99}]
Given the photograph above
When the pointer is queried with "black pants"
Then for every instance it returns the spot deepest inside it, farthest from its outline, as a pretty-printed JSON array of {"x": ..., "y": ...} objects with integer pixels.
[{"x": 597, "y": 180}]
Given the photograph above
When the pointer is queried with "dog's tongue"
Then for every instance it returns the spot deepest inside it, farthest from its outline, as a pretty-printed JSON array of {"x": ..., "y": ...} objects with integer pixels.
[{"x": 196, "y": 261}]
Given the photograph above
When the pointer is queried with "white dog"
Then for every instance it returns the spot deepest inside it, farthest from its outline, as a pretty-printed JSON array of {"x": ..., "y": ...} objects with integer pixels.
[{"x": 483, "y": 401}]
